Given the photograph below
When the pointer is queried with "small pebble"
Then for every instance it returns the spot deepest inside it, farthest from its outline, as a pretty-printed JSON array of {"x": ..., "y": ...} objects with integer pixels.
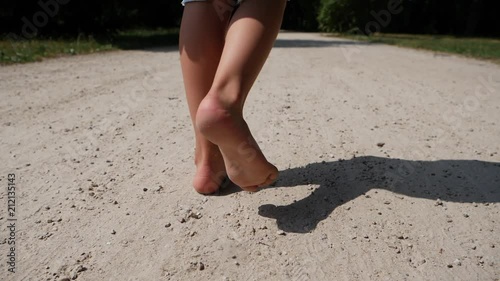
[
  {"x": 76, "y": 270},
  {"x": 113, "y": 231},
  {"x": 195, "y": 215},
  {"x": 380, "y": 144},
  {"x": 253, "y": 231},
  {"x": 280, "y": 232},
  {"x": 201, "y": 266},
  {"x": 168, "y": 224}
]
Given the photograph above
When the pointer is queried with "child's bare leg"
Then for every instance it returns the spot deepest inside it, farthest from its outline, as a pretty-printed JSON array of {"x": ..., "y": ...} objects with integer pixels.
[
  {"x": 250, "y": 37},
  {"x": 201, "y": 42}
]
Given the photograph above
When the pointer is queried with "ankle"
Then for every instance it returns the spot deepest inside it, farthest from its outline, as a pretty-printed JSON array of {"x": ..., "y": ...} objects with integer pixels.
[{"x": 214, "y": 114}]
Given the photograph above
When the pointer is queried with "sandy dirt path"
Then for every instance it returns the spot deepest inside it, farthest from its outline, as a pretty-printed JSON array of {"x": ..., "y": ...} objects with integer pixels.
[{"x": 389, "y": 163}]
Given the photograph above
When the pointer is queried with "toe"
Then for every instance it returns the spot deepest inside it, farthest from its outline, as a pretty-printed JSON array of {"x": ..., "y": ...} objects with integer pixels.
[
  {"x": 207, "y": 185},
  {"x": 272, "y": 178},
  {"x": 254, "y": 188},
  {"x": 206, "y": 189}
]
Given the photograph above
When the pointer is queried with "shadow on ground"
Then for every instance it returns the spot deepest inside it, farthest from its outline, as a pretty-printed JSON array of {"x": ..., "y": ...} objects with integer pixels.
[
  {"x": 170, "y": 42},
  {"x": 305, "y": 43},
  {"x": 163, "y": 42},
  {"x": 344, "y": 180}
]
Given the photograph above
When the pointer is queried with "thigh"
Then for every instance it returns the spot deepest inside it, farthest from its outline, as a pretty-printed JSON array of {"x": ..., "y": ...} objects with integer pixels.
[
  {"x": 201, "y": 42},
  {"x": 202, "y": 29}
]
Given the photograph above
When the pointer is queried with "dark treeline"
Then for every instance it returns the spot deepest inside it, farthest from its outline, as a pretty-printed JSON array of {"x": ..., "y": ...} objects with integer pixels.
[
  {"x": 453, "y": 17},
  {"x": 71, "y": 17},
  {"x": 28, "y": 18}
]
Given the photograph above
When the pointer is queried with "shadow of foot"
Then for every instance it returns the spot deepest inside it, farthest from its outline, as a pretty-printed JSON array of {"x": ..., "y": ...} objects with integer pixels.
[{"x": 344, "y": 180}]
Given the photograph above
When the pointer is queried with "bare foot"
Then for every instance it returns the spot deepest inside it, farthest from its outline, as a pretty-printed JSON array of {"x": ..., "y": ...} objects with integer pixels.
[
  {"x": 245, "y": 164},
  {"x": 210, "y": 173}
]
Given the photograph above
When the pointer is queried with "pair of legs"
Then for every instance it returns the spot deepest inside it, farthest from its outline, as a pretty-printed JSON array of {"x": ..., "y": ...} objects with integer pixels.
[{"x": 222, "y": 51}]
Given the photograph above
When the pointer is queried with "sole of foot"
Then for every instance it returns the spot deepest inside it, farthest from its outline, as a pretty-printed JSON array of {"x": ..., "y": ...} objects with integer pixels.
[{"x": 245, "y": 164}]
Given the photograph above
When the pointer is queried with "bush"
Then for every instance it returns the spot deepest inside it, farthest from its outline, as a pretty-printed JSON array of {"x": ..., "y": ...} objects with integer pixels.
[
  {"x": 336, "y": 16},
  {"x": 459, "y": 17},
  {"x": 347, "y": 16}
]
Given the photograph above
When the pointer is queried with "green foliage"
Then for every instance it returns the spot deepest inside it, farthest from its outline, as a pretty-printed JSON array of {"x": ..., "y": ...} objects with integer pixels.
[
  {"x": 460, "y": 17},
  {"x": 70, "y": 18},
  {"x": 336, "y": 16},
  {"x": 31, "y": 19}
]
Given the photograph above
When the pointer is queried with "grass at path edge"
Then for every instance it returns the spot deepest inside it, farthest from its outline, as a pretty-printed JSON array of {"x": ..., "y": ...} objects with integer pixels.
[
  {"x": 478, "y": 48},
  {"x": 23, "y": 51}
]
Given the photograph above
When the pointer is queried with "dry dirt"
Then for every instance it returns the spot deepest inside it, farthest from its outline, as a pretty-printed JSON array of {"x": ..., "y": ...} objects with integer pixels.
[{"x": 389, "y": 161}]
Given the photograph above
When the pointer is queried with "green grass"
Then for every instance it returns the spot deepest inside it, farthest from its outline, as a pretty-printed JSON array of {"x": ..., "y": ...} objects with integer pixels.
[
  {"x": 37, "y": 49},
  {"x": 480, "y": 48}
]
